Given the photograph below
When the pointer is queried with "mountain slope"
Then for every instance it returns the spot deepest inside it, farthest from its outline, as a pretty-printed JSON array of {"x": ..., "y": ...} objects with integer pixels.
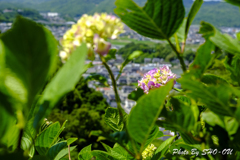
[{"x": 217, "y": 13}]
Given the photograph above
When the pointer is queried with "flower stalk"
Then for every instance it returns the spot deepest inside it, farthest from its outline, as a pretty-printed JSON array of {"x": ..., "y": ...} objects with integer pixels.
[{"x": 114, "y": 84}]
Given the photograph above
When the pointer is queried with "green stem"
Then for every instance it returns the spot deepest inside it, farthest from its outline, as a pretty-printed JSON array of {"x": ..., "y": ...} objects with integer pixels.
[
  {"x": 20, "y": 139},
  {"x": 179, "y": 56},
  {"x": 114, "y": 87},
  {"x": 69, "y": 155}
]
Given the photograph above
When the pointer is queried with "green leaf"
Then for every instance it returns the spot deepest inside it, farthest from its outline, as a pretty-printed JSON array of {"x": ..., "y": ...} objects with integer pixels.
[
  {"x": 216, "y": 98},
  {"x": 234, "y": 69},
  {"x": 201, "y": 61},
  {"x": 157, "y": 19},
  {"x": 27, "y": 47},
  {"x": 132, "y": 56},
  {"x": 97, "y": 77},
  {"x": 64, "y": 152},
  {"x": 160, "y": 150},
  {"x": 71, "y": 140},
  {"x": 135, "y": 95},
  {"x": 238, "y": 36},
  {"x": 142, "y": 117},
  {"x": 85, "y": 153},
  {"x": 234, "y": 2},
  {"x": 113, "y": 119},
  {"x": 179, "y": 144},
  {"x": 153, "y": 135},
  {"x": 102, "y": 155},
  {"x": 180, "y": 34},
  {"x": 120, "y": 153},
  {"x": 63, "y": 82},
  {"x": 227, "y": 123},
  {"x": 191, "y": 15},
  {"x": 107, "y": 148},
  {"x": 111, "y": 55},
  {"x": 7, "y": 121},
  {"x": 27, "y": 144},
  {"x": 223, "y": 41},
  {"x": 53, "y": 152},
  {"x": 182, "y": 118},
  {"x": 47, "y": 138},
  {"x": 213, "y": 79}
]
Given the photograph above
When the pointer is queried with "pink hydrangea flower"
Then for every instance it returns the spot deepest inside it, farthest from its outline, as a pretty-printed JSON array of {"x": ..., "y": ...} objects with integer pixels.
[{"x": 156, "y": 78}]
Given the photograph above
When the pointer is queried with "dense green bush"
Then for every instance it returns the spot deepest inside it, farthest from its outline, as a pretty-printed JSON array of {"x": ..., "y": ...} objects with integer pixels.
[{"x": 84, "y": 108}]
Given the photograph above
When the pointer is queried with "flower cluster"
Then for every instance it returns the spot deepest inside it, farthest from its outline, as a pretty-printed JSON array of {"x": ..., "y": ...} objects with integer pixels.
[
  {"x": 94, "y": 31},
  {"x": 149, "y": 151},
  {"x": 156, "y": 78}
]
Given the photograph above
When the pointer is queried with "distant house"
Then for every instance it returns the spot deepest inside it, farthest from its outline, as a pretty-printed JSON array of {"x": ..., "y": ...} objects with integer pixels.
[
  {"x": 122, "y": 80},
  {"x": 7, "y": 10},
  {"x": 147, "y": 60},
  {"x": 156, "y": 60},
  {"x": 127, "y": 89},
  {"x": 52, "y": 14}
]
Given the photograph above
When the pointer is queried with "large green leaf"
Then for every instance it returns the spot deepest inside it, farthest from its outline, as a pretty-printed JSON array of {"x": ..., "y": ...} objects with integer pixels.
[
  {"x": 157, "y": 19},
  {"x": 216, "y": 98},
  {"x": 156, "y": 133},
  {"x": 113, "y": 119},
  {"x": 85, "y": 153},
  {"x": 142, "y": 117},
  {"x": 27, "y": 47},
  {"x": 120, "y": 153},
  {"x": 55, "y": 149},
  {"x": 59, "y": 150},
  {"x": 191, "y": 15},
  {"x": 201, "y": 61},
  {"x": 48, "y": 138},
  {"x": 227, "y": 123},
  {"x": 223, "y": 41},
  {"x": 63, "y": 82},
  {"x": 182, "y": 118}
]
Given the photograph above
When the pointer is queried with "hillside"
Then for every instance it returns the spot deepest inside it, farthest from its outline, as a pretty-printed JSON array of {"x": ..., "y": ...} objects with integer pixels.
[{"x": 217, "y": 13}]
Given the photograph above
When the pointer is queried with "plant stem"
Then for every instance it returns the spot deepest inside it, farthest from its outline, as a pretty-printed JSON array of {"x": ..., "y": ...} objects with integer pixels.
[
  {"x": 69, "y": 155},
  {"x": 179, "y": 55},
  {"x": 114, "y": 86},
  {"x": 20, "y": 139}
]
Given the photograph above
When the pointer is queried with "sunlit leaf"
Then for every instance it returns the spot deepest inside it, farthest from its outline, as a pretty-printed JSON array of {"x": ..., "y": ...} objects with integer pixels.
[
  {"x": 142, "y": 117},
  {"x": 157, "y": 19},
  {"x": 223, "y": 41},
  {"x": 63, "y": 82}
]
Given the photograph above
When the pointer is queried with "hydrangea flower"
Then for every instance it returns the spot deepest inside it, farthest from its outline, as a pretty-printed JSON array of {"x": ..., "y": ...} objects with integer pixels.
[
  {"x": 94, "y": 31},
  {"x": 149, "y": 151},
  {"x": 156, "y": 78}
]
